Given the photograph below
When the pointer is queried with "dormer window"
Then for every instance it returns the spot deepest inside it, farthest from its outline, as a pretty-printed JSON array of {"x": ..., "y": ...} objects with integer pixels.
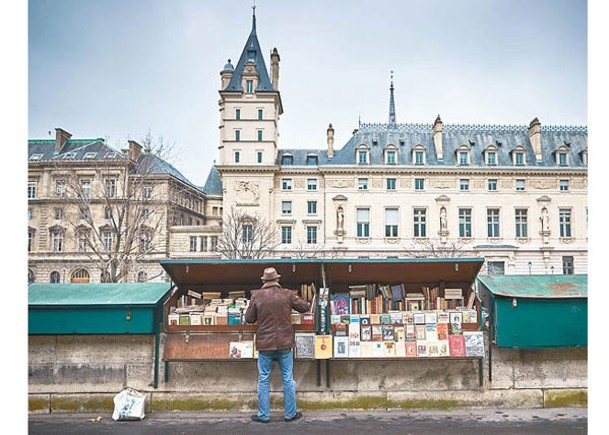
[
  {"x": 562, "y": 156},
  {"x": 362, "y": 155},
  {"x": 36, "y": 157},
  {"x": 463, "y": 156},
  {"x": 69, "y": 156},
  {"x": 391, "y": 155},
  {"x": 90, "y": 155},
  {"x": 249, "y": 86},
  {"x": 490, "y": 156},
  {"x": 584, "y": 157},
  {"x": 312, "y": 160},
  {"x": 287, "y": 160},
  {"x": 518, "y": 156}
]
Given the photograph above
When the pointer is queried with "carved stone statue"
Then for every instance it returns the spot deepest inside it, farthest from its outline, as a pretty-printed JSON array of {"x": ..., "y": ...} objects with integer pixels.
[
  {"x": 340, "y": 219},
  {"x": 443, "y": 221},
  {"x": 545, "y": 220}
]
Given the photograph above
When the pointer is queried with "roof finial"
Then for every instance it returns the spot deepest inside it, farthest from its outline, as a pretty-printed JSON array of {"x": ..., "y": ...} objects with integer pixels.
[
  {"x": 254, "y": 16},
  {"x": 391, "y": 103}
]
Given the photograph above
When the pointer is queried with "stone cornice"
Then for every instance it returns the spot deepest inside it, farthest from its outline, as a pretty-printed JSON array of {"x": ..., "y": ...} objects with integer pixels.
[
  {"x": 418, "y": 171},
  {"x": 226, "y": 169}
]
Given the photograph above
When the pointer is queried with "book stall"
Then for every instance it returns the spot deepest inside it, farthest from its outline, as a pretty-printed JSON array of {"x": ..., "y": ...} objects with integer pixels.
[{"x": 361, "y": 309}]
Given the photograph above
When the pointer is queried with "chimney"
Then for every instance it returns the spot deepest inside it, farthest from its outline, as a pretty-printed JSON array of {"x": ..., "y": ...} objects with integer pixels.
[
  {"x": 437, "y": 138},
  {"x": 330, "y": 134},
  {"x": 135, "y": 149},
  {"x": 227, "y": 74},
  {"x": 275, "y": 68},
  {"x": 61, "y": 137},
  {"x": 535, "y": 137}
]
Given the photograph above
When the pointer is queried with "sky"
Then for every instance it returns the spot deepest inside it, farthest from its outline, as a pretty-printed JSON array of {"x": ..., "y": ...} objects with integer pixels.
[{"x": 119, "y": 69}]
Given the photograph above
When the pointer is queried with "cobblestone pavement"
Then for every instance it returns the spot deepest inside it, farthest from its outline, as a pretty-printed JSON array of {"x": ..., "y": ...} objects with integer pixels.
[{"x": 556, "y": 421}]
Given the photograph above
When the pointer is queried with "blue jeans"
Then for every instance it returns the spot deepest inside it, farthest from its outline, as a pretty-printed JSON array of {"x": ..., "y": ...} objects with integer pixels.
[{"x": 265, "y": 364}]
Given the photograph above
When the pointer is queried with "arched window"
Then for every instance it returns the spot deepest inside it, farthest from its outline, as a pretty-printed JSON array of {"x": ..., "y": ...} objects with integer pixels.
[
  {"x": 362, "y": 155},
  {"x": 418, "y": 155},
  {"x": 462, "y": 155},
  {"x": 142, "y": 276},
  {"x": 391, "y": 155},
  {"x": 31, "y": 277},
  {"x": 490, "y": 155},
  {"x": 81, "y": 276},
  {"x": 519, "y": 156},
  {"x": 55, "y": 278}
]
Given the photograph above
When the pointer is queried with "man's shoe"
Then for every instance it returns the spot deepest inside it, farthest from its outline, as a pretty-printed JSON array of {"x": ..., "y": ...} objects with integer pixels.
[
  {"x": 296, "y": 417},
  {"x": 258, "y": 419}
]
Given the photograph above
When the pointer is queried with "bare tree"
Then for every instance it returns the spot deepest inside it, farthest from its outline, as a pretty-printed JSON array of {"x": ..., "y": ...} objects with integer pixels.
[
  {"x": 246, "y": 236},
  {"x": 306, "y": 250},
  {"x": 431, "y": 250}
]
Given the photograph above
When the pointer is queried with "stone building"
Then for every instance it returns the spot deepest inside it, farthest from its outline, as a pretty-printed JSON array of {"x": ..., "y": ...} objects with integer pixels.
[{"x": 515, "y": 194}]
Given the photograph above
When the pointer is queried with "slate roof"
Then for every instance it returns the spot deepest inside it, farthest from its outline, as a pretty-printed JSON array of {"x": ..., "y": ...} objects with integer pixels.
[
  {"x": 213, "y": 184},
  {"x": 475, "y": 137},
  {"x": 251, "y": 52}
]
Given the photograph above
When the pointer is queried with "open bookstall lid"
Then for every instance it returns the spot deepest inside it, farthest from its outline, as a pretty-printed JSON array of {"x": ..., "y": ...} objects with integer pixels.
[
  {"x": 296, "y": 271},
  {"x": 537, "y": 286}
]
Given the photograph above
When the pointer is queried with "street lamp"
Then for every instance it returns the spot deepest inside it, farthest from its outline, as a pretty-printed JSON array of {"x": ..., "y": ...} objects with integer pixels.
[
  {"x": 530, "y": 265},
  {"x": 552, "y": 268}
]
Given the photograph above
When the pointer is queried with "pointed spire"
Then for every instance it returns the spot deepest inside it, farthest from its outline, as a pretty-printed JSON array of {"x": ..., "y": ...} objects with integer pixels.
[
  {"x": 391, "y": 103},
  {"x": 254, "y": 17}
]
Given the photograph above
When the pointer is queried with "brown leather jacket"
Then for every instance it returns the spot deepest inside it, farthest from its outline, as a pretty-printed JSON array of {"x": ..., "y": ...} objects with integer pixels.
[{"x": 271, "y": 309}]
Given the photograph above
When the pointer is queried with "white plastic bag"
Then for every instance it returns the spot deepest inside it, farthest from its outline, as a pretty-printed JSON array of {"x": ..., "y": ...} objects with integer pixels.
[{"x": 129, "y": 404}]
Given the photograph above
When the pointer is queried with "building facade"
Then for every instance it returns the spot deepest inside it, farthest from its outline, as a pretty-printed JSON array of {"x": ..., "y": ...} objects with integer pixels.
[{"x": 514, "y": 194}]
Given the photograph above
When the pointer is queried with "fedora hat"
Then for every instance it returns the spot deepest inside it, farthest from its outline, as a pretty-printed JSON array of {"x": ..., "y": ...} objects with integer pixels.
[{"x": 270, "y": 274}]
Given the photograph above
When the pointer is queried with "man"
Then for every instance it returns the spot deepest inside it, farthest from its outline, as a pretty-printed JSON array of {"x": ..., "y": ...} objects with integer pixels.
[{"x": 271, "y": 309}]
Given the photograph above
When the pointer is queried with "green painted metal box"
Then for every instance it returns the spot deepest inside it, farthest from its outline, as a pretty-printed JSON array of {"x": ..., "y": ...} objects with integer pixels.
[
  {"x": 536, "y": 311},
  {"x": 122, "y": 308}
]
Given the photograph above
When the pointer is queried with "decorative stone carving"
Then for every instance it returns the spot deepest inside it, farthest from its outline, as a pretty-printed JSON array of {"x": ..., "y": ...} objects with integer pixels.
[
  {"x": 443, "y": 184},
  {"x": 543, "y": 184},
  {"x": 376, "y": 183},
  {"x": 247, "y": 192},
  {"x": 340, "y": 184}
]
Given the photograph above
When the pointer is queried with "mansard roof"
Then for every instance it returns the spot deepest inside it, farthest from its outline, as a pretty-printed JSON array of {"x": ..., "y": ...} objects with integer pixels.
[
  {"x": 475, "y": 137},
  {"x": 213, "y": 184},
  {"x": 252, "y": 53}
]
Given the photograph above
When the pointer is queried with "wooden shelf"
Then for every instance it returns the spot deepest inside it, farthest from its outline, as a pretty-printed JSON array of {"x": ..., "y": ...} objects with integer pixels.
[{"x": 229, "y": 328}]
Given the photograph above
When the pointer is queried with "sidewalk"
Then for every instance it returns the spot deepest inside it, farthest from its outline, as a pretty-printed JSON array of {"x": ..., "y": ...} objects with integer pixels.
[{"x": 471, "y": 421}]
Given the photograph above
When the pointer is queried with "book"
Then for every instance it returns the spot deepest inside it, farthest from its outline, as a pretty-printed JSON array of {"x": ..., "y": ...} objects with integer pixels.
[
  {"x": 387, "y": 332},
  {"x": 400, "y": 346},
  {"x": 196, "y": 318},
  {"x": 222, "y": 319},
  {"x": 173, "y": 319},
  {"x": 307, "y": 318},
  {"x": 184, "y": 319},
  {"x": 364, "y": 320},
  {"x": 442, "y": 331},
  {"x": 296, "y": 319},
  {"x": 419, "y": 332},
  {"x": 340, "y": 304},
  {"x": 443, "y": 348},
  {"x": 471, "y": 299},
  {"x": 378, "y": 349},
  {"x": 456, "y": 318},
  {"x": 474, "y": 343},
  {"x": 366, "y": 333},
  {"x": 397, "y": 292},
  {"x": 433, "y": 348},
  {"x": 411, "y": 349},
  {"x": 385, "y": 319},
  {"x": 340, "y": 330},
  {"x": 470, "y": 316},
  {"x": 456, "y": 344},
  {"x": 247, "y": 349},
  {"x": 234, "y": 350},
  {"x": 431, "y": 332},
  {"x": 375, "y": 319},
  {"x": 442, "y": 317},
  {"x": 396, "y": 317},
  {"x": 323, "y": 346},
  {"x": 377, "y": 333},
  {"x": 388, "y": 349},
  {"x": 419, "y": 318},
  {"x": 341, "y": 347},
  {"x": 430, "y": 317},
  {"x": 399, "y": 332},
  {"x": 410, "y": 334},
  {"x": 408, "y": 317},
  {"x": 366, "y": 349},
  {"x": 334, "y": 319},
  {"x": 422, "y": 348},
  {"x": 304, "y": 345},
  {"x": 354, "y": 336}
]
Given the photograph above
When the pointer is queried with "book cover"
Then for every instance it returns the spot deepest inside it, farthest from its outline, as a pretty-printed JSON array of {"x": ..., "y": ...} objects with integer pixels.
[
  {"x": 400, "y": 348},
  {"x": 456, "y": 318},
  {"x": 364, "y": 320},
  {"x": 442, "y": 331},
  {"x": 422, "y": 348},
  {"x": 184, "y": 319},
  {"x": 335, "y": 319},
  {"x": 222, "y": 319},
  {"x": 474, "y": 343},
  {"x": 410, "y": 335},
  {"x": 340, "y": 304},
  {"x": 443, "y": 348},
  {"x": 399, "y": 333},
  {"x": 385, "y": 319},
  {"x": 456, "y": 344},
  {"x": 375, "y": 319},
  {"x": 433, "y": 348},
  {"x": 419, "y": 318},
  {"x": 354, "y": 348},
  {"x": 304, "y": 345},
  {"x": 419, "y": 332},
  {"x": 366, "y": 349},
  {"x": 430, "y": 317},
  {"x": 173, "y": 319},
  {"x": 196, "y": 318},
  {"x": 307, "y": 318},
  {"x": 341, "y": 347},
  {"x": 378, "y": 349},
  {"x": 377, "y": 333},
  {"x": 470, "y": 316},
  {"x": 366, "y": 333},
  {"x": 397, "y": 318},
  {"x": 411, "y": 349},
  {"x": 340, "y": 330},
  {"x": 234, "y": 319},
  {"x": 354, "y": 337},
  {"x": 408, "y": 317},
  {"x": 431, "y": 332},
  {"x": 234, "y": 351},
  {"x": 396, "y": 293},
  {"x": 344, "y": 319},
  {"x": 443, "y": 317},
  {"x": 323, "y": 346},
  {"x": 387, "y": 332},
  {"x": 209, "y": 320},
  {"x": 247, "y": 349},
  {"x": 388, "y": 349}
]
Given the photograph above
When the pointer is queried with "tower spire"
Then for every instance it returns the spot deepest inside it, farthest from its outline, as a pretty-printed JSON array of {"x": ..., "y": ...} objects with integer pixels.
[
  {"x": 254, "y": 16},
  {"x": 391, "y": 103}
]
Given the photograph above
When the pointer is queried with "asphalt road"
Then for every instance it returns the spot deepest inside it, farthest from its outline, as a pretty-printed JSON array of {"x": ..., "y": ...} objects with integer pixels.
[{"x": 555, "y": 421}]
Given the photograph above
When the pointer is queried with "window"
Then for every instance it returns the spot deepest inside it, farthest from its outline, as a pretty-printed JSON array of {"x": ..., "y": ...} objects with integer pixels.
[
  {"x": 286, "y": 184},
  {"x": 419, "y": 157},
  {"x": 31, "y": 189},
  {"x": 521, "y": 222},
  {"x": 237, "y": 114},
  {"x": 111, "y": 188},
  {"x": 492, "y": 184},
  {"x": 36, "y": 157},
  {"x": 145, "y": 213},
  {"x": 564, "y": 217},
  {"x": 55, "y": 278},
  {"x": 562, "y": 158},
  {"x": 463, "y": 158},
  {"x": 108, "y": 213},
  {"x": 363, "y": 222},
  {"x": 259, "y": 133},
  {"x": 82, "y": 242},
  {"x": 496, "y": 268},
  {"x": 520, "y": 185},
  {"x": 30, "y": 214},
  {"x": 214, "y": 243},
  {"x": 69, "y": 156},
  {"x": 519, "y": 158},
  {"x": 142, "y": 276},
  {"x": 311, "y": 207},
  {"x": 84, "y": 213},
  {"x": 30, "y": 240},
  {"x": 463, "y": 184},
  {"x": 247, "y": 233},
  {"x": 147, "y": 192},
  {"x": 57, "y": 240},
  {"x": 567, "y": 265},
  {"x": 193, "y": 243},
  {"x": 362, "y": 156},
  {"x": 60, "y": 188},
  {"x": 492, "y": 220},
  {"x": 420, "y": 222},
  {"x": 107, "y": 240},
  {"x": 312, "y": 160},
  {"x": 391, "y": 183},
  {"x": 259, "y": 114},
  {"x": 259, "y": 156},
  {"x": 391, "y": 158},
  {"x": 249, "y": 86},
  {"x": 237, "y": 156},
  {"x": 85, "y": 186},
  {"x": 564, "y": 185},
  {"x": 465, "y": 222},
  {"x": 145, "y": 242},
  {"x": 362, "y": 184},
  {"x": 202, "y": 243},
  {"x": 419, "y": 184},
  {"x": 31, "y": 277},
  {"x": 90, "y": 155},
  {"x": 286, "y": 207},
  {"x": 237, "y": 135},
  {"x": 312, "y": 184},
  {"x": 391, "y": 222},
  {"x": 312, "y": 235},
  {"x": 287, "y": 160},
  {"x": 58, "y": 213},
  {"x": 491, "y": 158},
  {"x": 286, "y": 235}
]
